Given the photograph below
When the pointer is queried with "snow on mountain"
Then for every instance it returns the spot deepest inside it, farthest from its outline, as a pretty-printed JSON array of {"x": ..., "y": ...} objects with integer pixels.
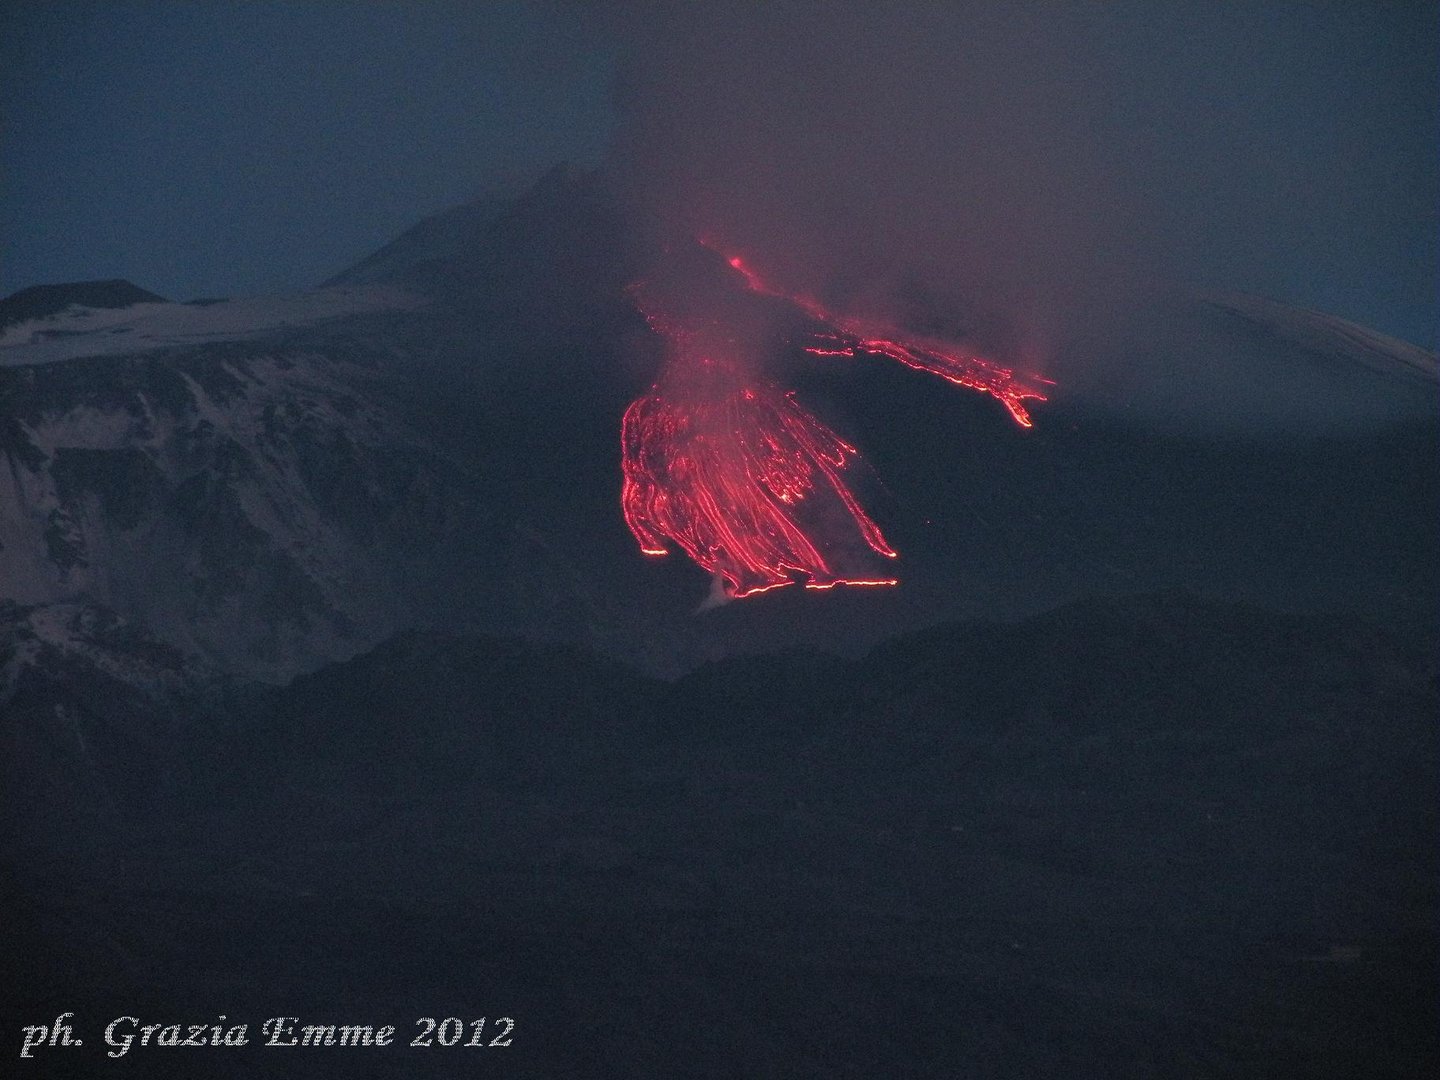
[
  {"x": 246, "y": 503},
  {"x": 43, "y": 640},
  {"x": 1317, "y": 332},
  {"x": 79, "y": 331},
  {"x": 276, "y": 482}
]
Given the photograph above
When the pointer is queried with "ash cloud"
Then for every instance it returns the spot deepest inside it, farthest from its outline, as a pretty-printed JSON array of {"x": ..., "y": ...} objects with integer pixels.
[{"x": 1034, "y": 170}]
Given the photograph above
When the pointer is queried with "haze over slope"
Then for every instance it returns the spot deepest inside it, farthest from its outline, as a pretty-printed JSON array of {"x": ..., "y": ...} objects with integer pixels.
[
  {"x": 1039, "y": 164},
  {"x": 273, "y": 483}
]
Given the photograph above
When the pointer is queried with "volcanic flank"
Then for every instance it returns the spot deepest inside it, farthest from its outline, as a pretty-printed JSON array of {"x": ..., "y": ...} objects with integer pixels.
[
  {"x": 872, "y": 577},
  {"x": 730, "y": 466},
  {"x": 272, "y": 483}
]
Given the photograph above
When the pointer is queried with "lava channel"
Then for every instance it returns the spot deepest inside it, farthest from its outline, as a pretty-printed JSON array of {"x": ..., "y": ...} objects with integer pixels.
[
  {"x": 737, "y": 473},
  {"x": 734, "y": 470},
  {"x": 847, "y": 335}
]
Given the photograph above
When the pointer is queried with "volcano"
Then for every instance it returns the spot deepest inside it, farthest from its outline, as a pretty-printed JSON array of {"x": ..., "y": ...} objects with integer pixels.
[
  {"x": 341, "y": 617},
  {"x": 434, "y": 439}
]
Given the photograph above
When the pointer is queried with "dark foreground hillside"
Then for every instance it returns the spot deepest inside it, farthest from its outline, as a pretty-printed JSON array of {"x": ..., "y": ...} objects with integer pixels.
[{"x": 1146, "y": 838}]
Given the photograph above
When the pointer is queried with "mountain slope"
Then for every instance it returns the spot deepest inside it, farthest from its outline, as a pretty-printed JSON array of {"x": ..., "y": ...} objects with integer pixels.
[
  {"x": 276, "y": 483},
  {"x": 238, "y": 501},
  {"x": 1130, "y": 838}
]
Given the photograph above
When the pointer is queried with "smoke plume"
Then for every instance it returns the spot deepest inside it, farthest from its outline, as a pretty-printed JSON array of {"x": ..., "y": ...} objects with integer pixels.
[{"x": 1028, "y": 170}]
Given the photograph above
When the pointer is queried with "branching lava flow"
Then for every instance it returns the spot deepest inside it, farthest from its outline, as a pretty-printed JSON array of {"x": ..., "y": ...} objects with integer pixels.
[
  {"x": 745, "y": 480},
  {"x": 850, "y": 336}
]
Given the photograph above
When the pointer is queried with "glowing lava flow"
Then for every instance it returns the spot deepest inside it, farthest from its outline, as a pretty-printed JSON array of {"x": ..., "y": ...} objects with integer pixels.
[
  {"x": 729, "y": 475},
  {"x": 849, "y": 336},
  {"x": 732, "y": 469}
]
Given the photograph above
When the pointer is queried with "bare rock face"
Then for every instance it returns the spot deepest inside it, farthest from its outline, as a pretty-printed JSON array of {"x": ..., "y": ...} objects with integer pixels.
[{"x": 235, "y": 501}]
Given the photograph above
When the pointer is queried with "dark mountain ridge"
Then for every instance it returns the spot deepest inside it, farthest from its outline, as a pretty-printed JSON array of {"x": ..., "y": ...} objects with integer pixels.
[
  {"x": 41, "y": 301},
  {"x": 331, "y": 679},
  {"x": 1132, "y": 837}
]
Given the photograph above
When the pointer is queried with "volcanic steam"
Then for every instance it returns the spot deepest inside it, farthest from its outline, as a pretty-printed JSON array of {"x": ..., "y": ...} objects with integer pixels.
[{"x": 726, "y": 463}]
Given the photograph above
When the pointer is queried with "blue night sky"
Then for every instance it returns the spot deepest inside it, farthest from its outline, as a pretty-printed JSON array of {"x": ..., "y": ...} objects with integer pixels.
[
  {"x": 216, "y": 149},
  {"x": 209, "y": 148}
]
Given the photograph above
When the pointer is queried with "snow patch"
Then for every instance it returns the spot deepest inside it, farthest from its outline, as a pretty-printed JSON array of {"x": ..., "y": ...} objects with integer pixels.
[{"x": 83, "y": 331}]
